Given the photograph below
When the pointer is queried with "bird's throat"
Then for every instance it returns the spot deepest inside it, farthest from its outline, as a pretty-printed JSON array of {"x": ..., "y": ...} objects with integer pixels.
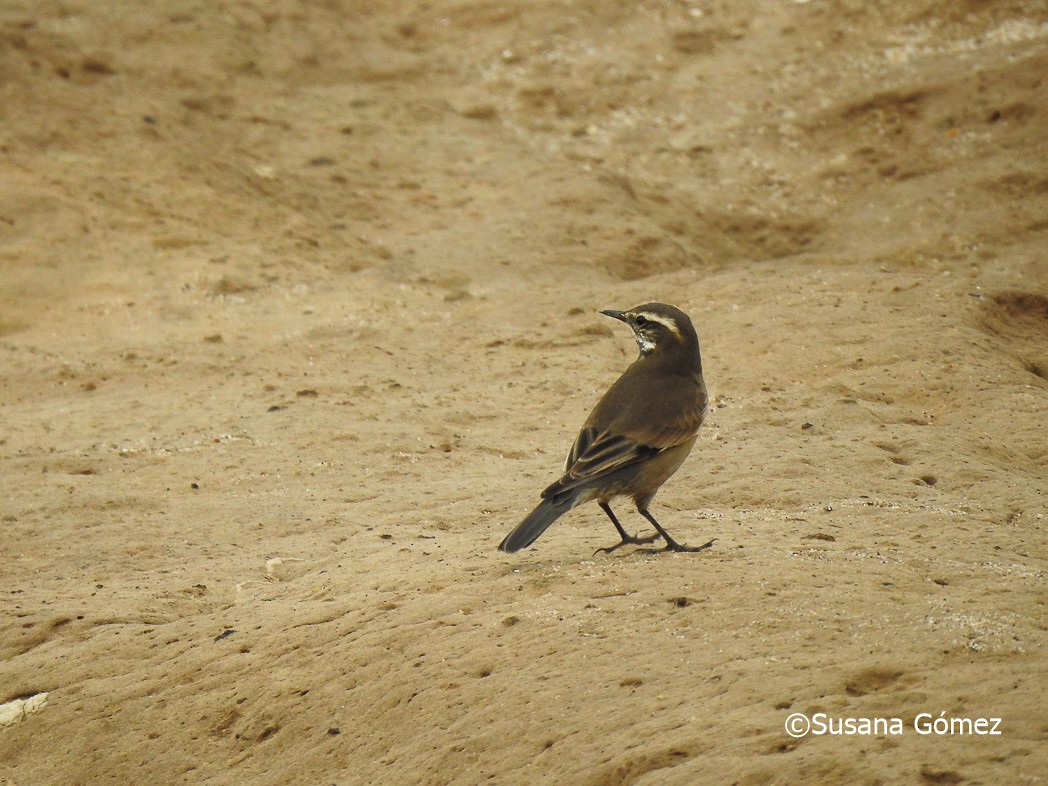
[{"x": 645, "y": 345}]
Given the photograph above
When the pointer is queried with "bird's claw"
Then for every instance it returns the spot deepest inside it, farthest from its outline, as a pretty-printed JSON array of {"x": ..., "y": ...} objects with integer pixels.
[
  {"x": 673, "y": 545},
  {"x": 629, "y": 540}
]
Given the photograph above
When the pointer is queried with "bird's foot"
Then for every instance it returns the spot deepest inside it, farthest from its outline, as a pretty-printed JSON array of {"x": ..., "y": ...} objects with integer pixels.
[
  {"x": 672, "y": 545},
  {"x": 628, "y": 540}
]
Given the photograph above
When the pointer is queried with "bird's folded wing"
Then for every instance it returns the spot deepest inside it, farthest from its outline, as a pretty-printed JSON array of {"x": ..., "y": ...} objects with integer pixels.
[
  {"x": 604, "y": 453},
  {"x": 599, "y": 453}
]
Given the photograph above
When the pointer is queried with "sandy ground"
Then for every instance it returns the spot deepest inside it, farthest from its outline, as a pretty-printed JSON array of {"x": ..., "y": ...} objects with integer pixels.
[{"x": 298, "y": 314}]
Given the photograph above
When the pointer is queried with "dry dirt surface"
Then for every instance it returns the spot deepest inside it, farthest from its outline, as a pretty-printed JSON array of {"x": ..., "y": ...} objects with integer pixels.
[{"x": 298, "y": 314}]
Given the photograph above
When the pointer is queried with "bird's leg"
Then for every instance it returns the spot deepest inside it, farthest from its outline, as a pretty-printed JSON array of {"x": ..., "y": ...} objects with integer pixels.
[
  {"x": 671, "y": 544},
  {"x": 627, "y": 539}
]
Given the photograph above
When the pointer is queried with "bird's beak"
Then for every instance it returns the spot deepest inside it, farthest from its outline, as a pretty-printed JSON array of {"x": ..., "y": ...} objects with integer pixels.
[{"x": 619, "y": 315}]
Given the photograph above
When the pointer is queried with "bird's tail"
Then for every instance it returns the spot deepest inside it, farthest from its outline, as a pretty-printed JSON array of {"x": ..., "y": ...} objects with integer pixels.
[{"x": 538, "y": 521}]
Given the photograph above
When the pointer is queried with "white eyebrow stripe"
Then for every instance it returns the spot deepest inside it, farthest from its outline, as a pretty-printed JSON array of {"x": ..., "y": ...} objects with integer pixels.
[{"x": 666, "y": 322}]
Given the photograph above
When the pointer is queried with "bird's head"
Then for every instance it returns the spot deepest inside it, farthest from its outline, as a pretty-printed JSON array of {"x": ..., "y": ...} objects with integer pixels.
[{"x": 658, "y": 328}]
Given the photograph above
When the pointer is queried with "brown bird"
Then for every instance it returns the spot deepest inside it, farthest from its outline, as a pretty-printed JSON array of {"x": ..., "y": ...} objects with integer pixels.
[{"x": 639, "y": 433}]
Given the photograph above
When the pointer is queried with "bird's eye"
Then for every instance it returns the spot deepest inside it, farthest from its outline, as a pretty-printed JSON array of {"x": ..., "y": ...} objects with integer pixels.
[{"x": 640, "y": 321}]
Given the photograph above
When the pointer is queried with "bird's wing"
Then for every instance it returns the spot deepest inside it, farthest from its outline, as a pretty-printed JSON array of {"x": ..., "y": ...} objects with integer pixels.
[
  {"x": 597, "y": 453},
  {"x": 601, "y": 454}
]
